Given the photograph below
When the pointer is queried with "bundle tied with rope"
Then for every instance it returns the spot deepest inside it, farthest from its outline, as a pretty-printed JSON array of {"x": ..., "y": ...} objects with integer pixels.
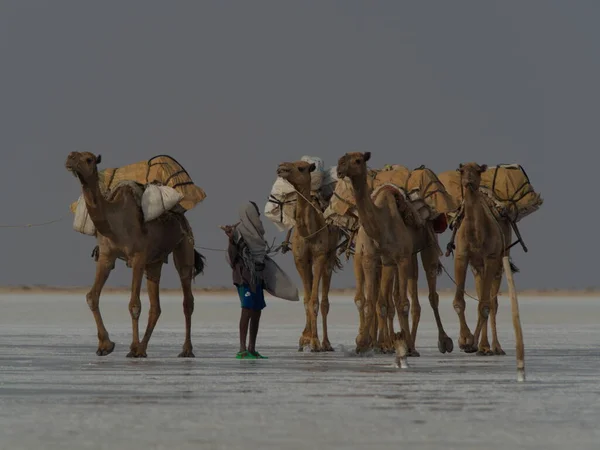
[
  {"x": 507, "y": 190},
  {"x": 167, "y": 186}
]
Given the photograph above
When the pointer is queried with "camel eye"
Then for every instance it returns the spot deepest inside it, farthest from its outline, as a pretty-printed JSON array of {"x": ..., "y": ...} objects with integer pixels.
[
  {"x": 357, "y": 161},
  {"x": 301, "y": 169}
]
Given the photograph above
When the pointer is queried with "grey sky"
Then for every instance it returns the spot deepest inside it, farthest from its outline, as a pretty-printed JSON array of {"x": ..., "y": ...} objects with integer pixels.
[{"x": 231, "y": 89}]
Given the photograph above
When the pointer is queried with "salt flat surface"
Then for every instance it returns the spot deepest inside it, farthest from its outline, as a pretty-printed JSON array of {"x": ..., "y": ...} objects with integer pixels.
[{"x": 55, "y": 393}]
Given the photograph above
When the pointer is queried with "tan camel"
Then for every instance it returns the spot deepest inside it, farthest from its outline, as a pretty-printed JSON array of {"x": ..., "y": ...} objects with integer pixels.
[
  {"x": 379, "y": 243},
  {"x": 481, "y": 241},
  {"x": 314, "y": 245},
  {"x": 122, "y": 233}
]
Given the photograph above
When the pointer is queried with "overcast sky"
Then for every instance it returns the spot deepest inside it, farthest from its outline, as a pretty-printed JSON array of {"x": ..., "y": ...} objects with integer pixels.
[{"x": 231, "y": 89}]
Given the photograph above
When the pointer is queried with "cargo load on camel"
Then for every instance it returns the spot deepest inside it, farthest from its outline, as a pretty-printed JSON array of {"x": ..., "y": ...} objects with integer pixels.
[
  {"x": 421, "y": 186},
  {"x": 506, "y": 185},
  {"x": 281, "y": 205},
  {"x": 165, "y": 185}
]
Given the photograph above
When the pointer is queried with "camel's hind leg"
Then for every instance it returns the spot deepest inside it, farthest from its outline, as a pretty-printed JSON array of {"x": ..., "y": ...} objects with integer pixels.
[
  {"x": 138, "y": 264},
  {"x": 103, "y": 268},
  {"x": 325, "y": 285},
  {"x": 367, "y": 337},
  {"x": 384, "y": 340},
  {"x": 391, "y": 310},
  {"x": 319, "y": 265},
  {"x": 431, "y": 265},
  {"x": 184, "y": 259},
  {"x": 304, "y": 268},
  {"x": 153, "y": 273},
  {"x": 466, "y": 340},
  {"x": 415, "y": 305},
  {"x": 403, "y": 305}
]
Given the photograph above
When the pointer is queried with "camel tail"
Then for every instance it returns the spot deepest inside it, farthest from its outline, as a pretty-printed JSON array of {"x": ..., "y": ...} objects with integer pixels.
[
  {"x": 513, "y": 268},
  {"x": 440, "y": 268},
  {"x": 199, "y": 263},
  {"x": 337, "y": 264}
]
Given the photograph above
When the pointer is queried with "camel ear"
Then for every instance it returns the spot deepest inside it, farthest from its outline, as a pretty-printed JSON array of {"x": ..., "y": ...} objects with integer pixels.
[
  {"x": 98, "y": 159},
  {"x": 460, "y": 167},
  {"x": 312, "y": 167},
  {"x": 367, "y": 156},
  {"x": 483, "y": 168}
]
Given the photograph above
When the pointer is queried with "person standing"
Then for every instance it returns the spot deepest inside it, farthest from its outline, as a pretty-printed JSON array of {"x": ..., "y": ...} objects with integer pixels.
[{"x": 246, "y": 253}]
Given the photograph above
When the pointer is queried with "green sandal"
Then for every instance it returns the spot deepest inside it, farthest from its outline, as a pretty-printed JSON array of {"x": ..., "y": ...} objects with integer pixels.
[
  {"x": 258, "y": 355},
  {"x": 245, "y": 355}
]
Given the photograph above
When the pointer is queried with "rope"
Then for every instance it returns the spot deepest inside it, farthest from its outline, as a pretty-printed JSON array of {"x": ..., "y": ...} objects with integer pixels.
[
  {"x": 452, "y": 279},
  {"x": 31, "y": 225}
]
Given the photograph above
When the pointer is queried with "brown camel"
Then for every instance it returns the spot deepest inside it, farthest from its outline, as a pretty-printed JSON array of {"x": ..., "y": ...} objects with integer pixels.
[
  {"x": 122, "y": 233},
  {"x": 481, "y": 241},
  {"x": 314, "y": 245},
  {"x": 384, "y": 240}
]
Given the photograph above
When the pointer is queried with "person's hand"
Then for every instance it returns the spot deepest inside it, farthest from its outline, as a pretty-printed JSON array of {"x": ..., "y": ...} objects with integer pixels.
[
  {"x": 285, "y": 247},
  {"x": 259, "y": 266},
  {"x": 229, "y": 230}
]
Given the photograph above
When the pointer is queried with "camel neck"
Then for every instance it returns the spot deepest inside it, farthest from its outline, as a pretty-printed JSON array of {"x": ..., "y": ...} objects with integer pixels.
[
  {"x": 367, "y": 211},
  {"x": 474, "y": 213},
  {"x": 97, "y": 207},
  {"x": 308, "y": 220}
]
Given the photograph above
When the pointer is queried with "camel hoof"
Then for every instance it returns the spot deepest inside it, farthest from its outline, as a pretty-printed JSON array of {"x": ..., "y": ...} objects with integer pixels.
[
  {"x": 499, "y": 352},
  {"x": 326, "y": 347},
  {"x": 413, "y": 353},
  {"x": 445, "y": 345},
  {"x": 485, "y": 352},
  {"x": 105, "y": 351},
  {"x": 136, "y": 354},
  {"x": 186, "y": 354}
]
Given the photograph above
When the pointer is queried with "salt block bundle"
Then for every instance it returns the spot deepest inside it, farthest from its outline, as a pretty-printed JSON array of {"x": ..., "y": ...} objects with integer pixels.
[
  {"x": 507, "y": 185},
  {"x": 166, "y": 185},
  {"x": 281, "y": 206}
]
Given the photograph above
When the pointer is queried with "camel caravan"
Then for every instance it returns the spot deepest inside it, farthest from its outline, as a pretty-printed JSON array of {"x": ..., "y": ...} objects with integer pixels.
[{"x": 382, "y": 219}]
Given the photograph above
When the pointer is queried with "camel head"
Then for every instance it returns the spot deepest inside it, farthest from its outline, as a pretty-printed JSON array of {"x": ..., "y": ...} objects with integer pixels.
[
  {"x": 470, "y": 175},
  {"x": 84, "y": 166},
  {"x": 351, "y": 164},
  {"x": 297, "y": 173}
]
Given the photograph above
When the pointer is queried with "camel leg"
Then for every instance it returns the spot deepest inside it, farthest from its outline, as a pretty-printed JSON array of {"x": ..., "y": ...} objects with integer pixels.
[
  {"x": 325, "y": 285},
  {"x": 359, "y": 296},
  {"x": 391, "y": 311},
  {"x": 374, "y": 327},
  {"x": 103, "y": 268},
  {"x": 403, "y": 305},
  {"x": 183, "y": 257},
  {"x": 466, "y": 340},
  {"x": 366, "y": 339},
  {"x": 138, "y": 262},
  {"x": 384, "y": 340},
  {"x": 318, "y": 267},
  {"x": 484, "y": 293},
  {"x": 496, "y": 348},
  {"x": 415, "y": 306},
  {"x": 152, "y": 282},
  {"x": 304, "y": 268},
  {"x": 431, "y": 264}
]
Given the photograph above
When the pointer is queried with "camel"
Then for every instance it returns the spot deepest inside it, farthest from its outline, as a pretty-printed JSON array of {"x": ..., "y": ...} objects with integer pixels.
[
  {"x": 387, "y": 243},
  {"x": 481, "y": 241},
  {"x": 314, "y": 245},
  {"x": 122, "y": 233}
]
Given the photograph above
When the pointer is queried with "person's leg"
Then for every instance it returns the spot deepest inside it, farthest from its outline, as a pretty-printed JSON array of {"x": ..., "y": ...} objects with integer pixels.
[
  {"x": 244, "y": 318},
  {"x": 254, "y": 321}
]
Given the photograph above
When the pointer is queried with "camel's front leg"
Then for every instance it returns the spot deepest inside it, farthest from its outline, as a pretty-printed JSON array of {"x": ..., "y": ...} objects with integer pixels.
[
  {"x": 496, "y": 348},
  {"x": 384, "y": 340},
  {"x": 391, "y": 309},
  {"x": 484, "y": 290},
  {"x": 304, "y": 269},
  {"x": 103, "y": 268},
  {"x": 403, "y": 306},
  {"x": 359, "y": 296},
  {"x": 138, "y": 262},
  {"x": 466, "y": 340},
  {"x": 152, "y": 282},
  {"x": 325, "y": 285},
  {"x": 319, "y": 265},
  {"x": 431, "y": 264}
]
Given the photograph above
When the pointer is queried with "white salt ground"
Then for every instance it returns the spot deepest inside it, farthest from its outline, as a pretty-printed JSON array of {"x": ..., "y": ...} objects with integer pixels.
[{"x": 55, "y": 393}]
